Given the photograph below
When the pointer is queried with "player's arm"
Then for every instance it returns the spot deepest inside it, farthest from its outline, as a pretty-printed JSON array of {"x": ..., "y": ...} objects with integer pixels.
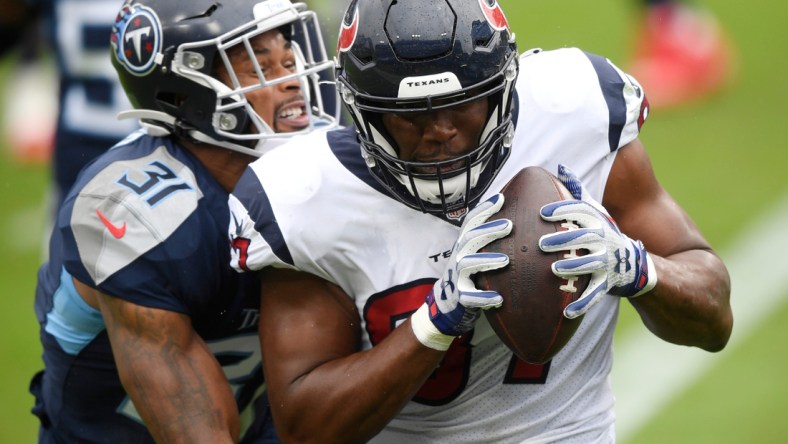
[
  {"x": 174, "y": 381},
  {"x": 321, "y": 387},
  {"x": 649, "y": 251},
  {"x": 690, "y": 304}
]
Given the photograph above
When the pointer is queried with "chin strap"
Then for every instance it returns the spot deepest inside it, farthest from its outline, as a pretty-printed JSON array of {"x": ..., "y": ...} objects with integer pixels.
[
  {"x": 157, "y": 130},
  {"x": 261, "y": 146},
  {"x": 152, "y": 129}
]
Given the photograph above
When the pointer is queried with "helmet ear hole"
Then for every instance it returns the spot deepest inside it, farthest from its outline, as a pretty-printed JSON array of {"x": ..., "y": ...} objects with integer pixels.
[
  {"x": 169, "y": 102},
  {"x": 483, "y": 35}
]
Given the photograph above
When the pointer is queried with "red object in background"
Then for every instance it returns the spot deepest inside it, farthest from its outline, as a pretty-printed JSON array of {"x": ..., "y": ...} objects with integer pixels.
[
  {"x": 30, "y": 112},
  {"x": 681, "y": 55}
]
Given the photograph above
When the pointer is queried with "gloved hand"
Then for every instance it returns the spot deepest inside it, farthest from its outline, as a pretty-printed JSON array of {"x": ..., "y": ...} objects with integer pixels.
[
  {"x": 454, "y": 303},
  {"x": 617, "y": 264}
]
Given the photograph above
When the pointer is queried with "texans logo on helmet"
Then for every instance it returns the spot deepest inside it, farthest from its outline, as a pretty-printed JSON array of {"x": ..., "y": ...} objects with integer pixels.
[
  {"x": 136, "y": 38},
  {"x": 494, "y": 14},
  {"x": 348, "y": 30}
]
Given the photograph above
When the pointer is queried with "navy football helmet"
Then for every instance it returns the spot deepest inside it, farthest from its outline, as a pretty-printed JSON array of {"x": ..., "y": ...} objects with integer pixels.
[
  {"x": 166, "y": 53},
  {"x": 405, "y": 56}
]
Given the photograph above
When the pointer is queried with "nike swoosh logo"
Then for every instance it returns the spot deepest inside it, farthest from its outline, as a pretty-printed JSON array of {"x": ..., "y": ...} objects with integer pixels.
[{"x": 116, "y": 231}]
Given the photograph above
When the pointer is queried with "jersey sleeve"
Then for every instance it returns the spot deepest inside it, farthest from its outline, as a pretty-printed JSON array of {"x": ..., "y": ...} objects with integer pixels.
[
  {"x": 575, "y": 109},
  {"x": 132, "y": 230},
  {"x": 626, "y": 101},
  {"x": 256, "y": 240},
  {"x": 584, "y": 89}
]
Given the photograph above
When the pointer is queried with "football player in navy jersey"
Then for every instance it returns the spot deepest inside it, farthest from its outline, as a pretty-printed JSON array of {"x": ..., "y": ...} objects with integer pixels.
[
  {"x": 367, "y": 238},
  {"x": 148, "y": 334}
]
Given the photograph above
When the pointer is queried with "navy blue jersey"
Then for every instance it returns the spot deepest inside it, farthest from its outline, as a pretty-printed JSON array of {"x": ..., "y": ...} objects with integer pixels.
[{"x": 145, "y": 222}]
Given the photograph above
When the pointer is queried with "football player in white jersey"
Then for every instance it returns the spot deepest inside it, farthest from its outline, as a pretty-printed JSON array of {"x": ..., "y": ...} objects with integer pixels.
[
  {"x": 148, "y": 334},
  {"x": 366, "y": 238}
]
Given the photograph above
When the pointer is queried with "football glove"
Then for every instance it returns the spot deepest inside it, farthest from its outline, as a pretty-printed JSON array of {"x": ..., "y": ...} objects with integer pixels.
[
  {"x": 454, "y": 304},
  {"x": 617, "y": 264}
]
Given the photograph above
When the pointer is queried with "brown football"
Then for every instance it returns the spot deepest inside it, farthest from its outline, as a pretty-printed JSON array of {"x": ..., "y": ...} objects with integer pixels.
[{"x": 531, "y": 321}]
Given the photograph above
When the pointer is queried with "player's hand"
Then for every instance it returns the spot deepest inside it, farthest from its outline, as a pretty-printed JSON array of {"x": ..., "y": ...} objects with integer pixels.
[
  {"x": 455, "y": 303},
  {"x": 617, "y": 264}
]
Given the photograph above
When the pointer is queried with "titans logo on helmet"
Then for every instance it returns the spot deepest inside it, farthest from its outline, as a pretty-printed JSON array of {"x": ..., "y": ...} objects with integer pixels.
[{"x": 136, "y": 38}]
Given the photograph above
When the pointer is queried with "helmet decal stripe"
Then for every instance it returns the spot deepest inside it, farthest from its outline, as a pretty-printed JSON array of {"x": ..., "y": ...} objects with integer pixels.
[
  {"x": 494, "y": 14},
  {"x": 347, "y": 34},
  {"x": 136, "y": 38}
]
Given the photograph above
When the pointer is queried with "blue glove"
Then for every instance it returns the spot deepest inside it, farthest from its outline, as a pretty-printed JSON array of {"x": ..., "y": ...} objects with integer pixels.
[
  {"x": 617, "y": 264},
  {"x": 454, "y": 304}
]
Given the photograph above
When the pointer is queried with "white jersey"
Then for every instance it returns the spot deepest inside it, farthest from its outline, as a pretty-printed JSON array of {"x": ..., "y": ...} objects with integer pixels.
[{"x": 312, "y": 205}]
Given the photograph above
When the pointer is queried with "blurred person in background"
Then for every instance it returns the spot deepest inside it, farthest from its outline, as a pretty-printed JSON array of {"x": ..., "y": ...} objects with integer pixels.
[
  {"x": 681, "y": 53},
  {"x": 30, "y": 94},
  {"x": 148, "y": 335},
  {"x": 88, "y": 95}
]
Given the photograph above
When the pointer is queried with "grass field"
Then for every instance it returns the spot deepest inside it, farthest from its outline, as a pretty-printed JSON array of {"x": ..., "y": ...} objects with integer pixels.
[{"x": 724, "y": 160}]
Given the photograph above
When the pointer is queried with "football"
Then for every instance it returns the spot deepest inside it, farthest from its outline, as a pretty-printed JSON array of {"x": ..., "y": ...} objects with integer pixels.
[{"x": 530, "y": 321}]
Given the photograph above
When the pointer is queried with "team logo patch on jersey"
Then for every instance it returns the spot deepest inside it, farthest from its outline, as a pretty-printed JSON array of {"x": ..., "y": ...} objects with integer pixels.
[
  {"x": 136, "y": 38},
  {"x": 349, "y": 29},
  {"x": 494, "y": 14}
]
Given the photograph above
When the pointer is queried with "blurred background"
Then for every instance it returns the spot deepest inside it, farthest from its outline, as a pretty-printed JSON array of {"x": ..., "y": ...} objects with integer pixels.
[{"x": 719, "y": 144}]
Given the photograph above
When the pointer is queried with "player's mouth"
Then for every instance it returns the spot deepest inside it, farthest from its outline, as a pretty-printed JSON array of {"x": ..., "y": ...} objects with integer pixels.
[
  {"x": 291, "y": 116},
  {"x": 446, "y": 167}
]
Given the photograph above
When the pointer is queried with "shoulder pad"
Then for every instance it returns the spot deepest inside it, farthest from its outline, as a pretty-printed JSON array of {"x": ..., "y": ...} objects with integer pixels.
[{"x": 130, "y": 207}]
